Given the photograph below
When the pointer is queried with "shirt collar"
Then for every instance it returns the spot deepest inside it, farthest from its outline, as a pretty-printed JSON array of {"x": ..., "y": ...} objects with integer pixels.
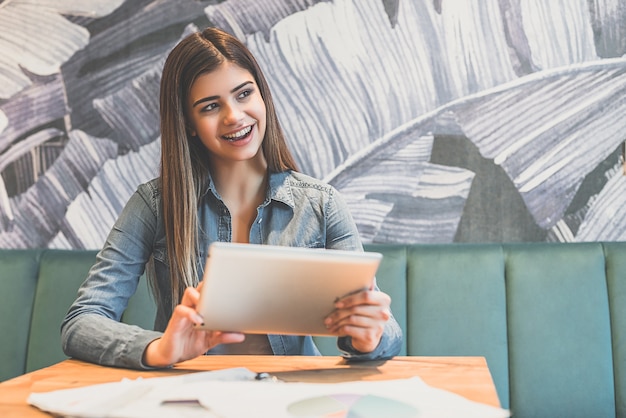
[{"x": 279, "y": 188}]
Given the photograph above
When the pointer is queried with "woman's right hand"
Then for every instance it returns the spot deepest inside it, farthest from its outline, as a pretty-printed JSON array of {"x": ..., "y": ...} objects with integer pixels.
[{"x": 181, "y": 340}]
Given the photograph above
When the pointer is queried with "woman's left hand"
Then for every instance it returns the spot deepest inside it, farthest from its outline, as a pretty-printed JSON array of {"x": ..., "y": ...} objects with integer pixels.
[{"x": 362, "y": 316}]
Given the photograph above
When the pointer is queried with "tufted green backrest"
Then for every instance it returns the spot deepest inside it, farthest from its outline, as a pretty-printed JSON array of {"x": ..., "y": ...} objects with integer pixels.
[
  {"x": 560, "y": 354},
  {"x": 38, "y": 301},
  {"x": 60, "y": 275},
  {"x": 458, "y": 305},
  {"x": 18, "y": 281},
  {"x": 549, "y": 318}
]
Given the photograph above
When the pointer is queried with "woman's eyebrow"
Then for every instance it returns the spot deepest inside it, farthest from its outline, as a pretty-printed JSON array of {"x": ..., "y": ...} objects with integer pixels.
[{"x": 211, "y": 98}]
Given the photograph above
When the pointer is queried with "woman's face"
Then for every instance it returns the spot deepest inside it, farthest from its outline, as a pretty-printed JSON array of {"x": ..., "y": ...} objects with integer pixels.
[{"x": 227, "y": 113}]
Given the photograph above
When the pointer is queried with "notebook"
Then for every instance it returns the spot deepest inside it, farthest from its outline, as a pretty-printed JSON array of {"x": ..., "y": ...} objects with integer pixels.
[{"x": 264, "y": 289}]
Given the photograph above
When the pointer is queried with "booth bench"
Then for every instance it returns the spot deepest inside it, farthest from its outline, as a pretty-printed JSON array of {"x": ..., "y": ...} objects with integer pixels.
[{"x": 550, "y": 318}]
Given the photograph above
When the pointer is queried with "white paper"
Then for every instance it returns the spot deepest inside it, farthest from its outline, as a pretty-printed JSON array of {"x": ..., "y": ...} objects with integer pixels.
[{"x": 235, "y": 393}]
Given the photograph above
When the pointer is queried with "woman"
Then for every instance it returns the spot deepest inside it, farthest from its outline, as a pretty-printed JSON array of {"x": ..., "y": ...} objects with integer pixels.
[{"x": 226, "y": 175}]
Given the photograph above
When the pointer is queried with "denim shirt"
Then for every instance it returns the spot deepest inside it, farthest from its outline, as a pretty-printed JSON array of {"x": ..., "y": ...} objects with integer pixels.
[{"x": 298, "y": 211}]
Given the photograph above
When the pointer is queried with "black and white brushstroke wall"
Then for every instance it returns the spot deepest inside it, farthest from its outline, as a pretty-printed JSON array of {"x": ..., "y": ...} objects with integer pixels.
[{"x": 439, "y": 120}]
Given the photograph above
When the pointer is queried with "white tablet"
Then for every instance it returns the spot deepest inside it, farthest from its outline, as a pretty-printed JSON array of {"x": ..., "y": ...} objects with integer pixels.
[{"x": 264, "y": 289}]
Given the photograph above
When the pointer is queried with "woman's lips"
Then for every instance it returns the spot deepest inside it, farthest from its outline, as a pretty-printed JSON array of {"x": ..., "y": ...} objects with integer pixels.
[{"x": 239, "y": 135}]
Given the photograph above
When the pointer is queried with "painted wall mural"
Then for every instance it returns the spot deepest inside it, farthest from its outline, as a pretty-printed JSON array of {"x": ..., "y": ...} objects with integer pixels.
[{"x": 439, "y": 120}]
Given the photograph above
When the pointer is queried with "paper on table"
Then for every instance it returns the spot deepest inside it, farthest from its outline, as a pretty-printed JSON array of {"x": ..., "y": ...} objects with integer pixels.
[
  {"x": 246, "y": 399},
  {"x": 108, "y": 399},
  {"x": 234, "y": 393}
]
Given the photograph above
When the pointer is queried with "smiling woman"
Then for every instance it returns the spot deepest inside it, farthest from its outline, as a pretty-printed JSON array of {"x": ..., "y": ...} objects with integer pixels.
[{"x": 226, "y": 175}]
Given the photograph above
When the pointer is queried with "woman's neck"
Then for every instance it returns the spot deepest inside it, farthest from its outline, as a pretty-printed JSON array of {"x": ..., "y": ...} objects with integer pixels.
[{"x": 243, "y": 187}]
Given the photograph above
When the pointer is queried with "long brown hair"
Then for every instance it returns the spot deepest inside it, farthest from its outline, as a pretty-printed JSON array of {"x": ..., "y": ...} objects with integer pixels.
[{"x": 184, "y": 162}]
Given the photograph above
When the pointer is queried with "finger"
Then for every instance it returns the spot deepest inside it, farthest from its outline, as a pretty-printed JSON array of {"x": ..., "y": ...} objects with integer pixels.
[
  {"x": 356, "y": 326},
  {"x": 352, "y": 321},
  {"x": 191, "y": 297},
  {"x": 214, "y": 338},
  {"x": 364, "y": 297},
  {"x": 377, "y": 312},
  {"x": 184, "y": 316},
  {"x": 363, "y": 318},
  {"x": 229, "y": 337}
]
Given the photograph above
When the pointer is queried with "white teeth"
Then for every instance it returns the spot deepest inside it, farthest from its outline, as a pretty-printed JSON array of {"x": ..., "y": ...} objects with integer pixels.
[{"x": 239, "y": 134}]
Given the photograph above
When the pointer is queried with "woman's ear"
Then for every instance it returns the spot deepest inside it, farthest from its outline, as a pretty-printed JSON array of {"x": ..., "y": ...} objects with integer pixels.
[{"x": 191, "y": 132}]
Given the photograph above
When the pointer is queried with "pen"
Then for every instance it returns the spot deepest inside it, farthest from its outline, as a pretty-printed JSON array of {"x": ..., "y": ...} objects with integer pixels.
[
  {"x": 265, "y": 376},
  {"x": 193, "y": 402}
]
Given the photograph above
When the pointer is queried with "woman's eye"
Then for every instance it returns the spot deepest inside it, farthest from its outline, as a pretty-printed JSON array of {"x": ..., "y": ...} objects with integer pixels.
[
  {"x": 209, "y": 107},
  {"x": 245, "y": 94}
]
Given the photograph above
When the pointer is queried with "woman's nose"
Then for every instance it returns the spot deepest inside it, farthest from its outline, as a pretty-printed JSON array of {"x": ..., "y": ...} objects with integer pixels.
[{"x": 232, "y": 114}]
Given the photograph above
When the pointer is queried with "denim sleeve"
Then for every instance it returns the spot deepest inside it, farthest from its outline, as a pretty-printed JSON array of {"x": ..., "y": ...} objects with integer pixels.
[
  {"x": 92, "y": 330},
  {"x": 342, "y": 234},
  {"x": 341, "y": 231}
]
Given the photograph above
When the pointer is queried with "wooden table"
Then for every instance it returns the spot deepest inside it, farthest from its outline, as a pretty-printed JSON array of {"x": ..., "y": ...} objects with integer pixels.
[{"x": 466, "y": 376}]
